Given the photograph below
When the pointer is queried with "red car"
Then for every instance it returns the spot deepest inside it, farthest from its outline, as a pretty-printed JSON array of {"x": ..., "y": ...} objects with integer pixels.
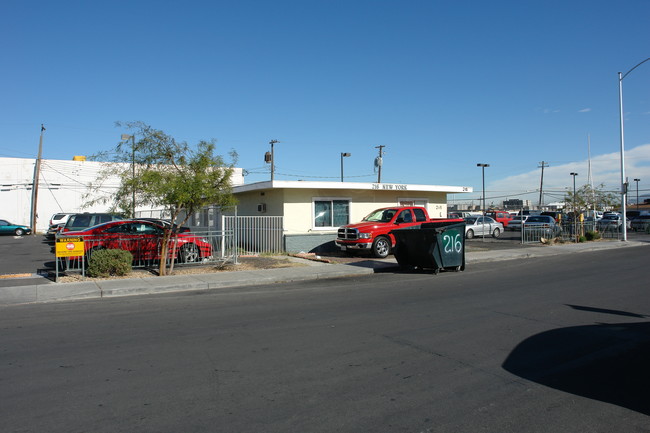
[
  {"x": 143, "y": 239},
  {"x": 500, "y": 216}
]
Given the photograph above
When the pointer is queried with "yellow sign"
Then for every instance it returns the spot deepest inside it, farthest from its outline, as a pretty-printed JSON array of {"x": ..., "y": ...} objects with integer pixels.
[{"x": 69, "y": 247}]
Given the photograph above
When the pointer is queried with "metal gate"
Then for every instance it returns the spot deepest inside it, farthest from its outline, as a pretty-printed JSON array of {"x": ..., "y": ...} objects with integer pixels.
[{"x": 256, "y": 234}]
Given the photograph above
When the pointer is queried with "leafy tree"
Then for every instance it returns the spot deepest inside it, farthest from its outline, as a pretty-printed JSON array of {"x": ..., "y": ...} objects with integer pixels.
[
  {"x": 587, "y": 198},
  {"x": 155, "y": 170}
]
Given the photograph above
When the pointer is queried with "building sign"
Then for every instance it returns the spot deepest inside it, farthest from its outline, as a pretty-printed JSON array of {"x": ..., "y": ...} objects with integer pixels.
[
  {"x": 69, "y": 247},
  {"x": 390, "y": 186}
]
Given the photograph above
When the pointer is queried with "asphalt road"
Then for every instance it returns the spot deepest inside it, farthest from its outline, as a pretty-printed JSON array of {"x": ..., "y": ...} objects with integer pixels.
[{"x": 548, "y": 345}]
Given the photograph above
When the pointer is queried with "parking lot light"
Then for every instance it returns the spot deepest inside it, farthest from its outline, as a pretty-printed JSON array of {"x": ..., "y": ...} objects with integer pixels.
[{"x": 483, "y": 175}]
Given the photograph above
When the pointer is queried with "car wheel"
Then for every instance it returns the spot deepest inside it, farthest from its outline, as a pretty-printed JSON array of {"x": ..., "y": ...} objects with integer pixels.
[
  {"x": 189, "y": 253},
  {"x": 469, "y": 234},
  {"x": 19, "y": 232},
  {"x": 381, "y": 247},
  {"x": 496, "y": 233}
]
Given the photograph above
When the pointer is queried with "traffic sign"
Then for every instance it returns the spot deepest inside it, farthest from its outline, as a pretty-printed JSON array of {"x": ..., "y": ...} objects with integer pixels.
[{"x": 69, "y": 247}]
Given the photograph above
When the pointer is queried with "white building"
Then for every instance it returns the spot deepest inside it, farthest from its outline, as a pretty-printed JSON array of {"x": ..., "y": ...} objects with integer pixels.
[
  {"x": 62, "y": 187},
  {"x": 313, "y": 211}
]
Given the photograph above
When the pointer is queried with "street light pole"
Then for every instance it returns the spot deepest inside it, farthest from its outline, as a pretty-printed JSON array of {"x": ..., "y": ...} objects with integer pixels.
[
  {"x": 637, "y": 193},
  {"x": 575, "y": 214},
  {"x": 343, "y": 154},
  {"x": 132, "y": 137},
  {"x": 621, "y": 76},
  {"x": 483, "y": 175}
]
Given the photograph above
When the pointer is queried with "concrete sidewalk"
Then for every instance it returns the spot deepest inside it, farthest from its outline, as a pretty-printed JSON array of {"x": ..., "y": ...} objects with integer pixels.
[{"x": 49, "y": 292}]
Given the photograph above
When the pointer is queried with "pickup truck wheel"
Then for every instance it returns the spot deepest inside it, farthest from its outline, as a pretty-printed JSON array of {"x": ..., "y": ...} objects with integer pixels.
[
  {"x": 469, "y": 234},
  {"x": 381, "y": 247},
  {"x": 496, "y": 233}
]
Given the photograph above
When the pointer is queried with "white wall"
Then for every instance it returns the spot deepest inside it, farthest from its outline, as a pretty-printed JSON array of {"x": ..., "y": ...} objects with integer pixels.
[{"x": 62, "y": 186}]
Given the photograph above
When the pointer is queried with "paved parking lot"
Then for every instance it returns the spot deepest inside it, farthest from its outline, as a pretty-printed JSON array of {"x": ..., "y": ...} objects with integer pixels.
[{"x": 25, "y": 255}]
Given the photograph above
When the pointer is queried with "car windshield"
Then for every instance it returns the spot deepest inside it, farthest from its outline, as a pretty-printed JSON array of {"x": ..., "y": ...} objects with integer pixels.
[
  {"x": 471, "y": 220},
  {"x": 381, "y": 215}
]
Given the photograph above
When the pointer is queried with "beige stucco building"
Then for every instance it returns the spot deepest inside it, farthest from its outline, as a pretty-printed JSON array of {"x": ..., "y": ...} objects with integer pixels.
[{"x": 313, "y": 211}]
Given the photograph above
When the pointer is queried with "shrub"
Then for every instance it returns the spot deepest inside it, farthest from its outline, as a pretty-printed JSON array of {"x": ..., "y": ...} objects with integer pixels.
[
  {"x": 582, "y": 238},
  {"x": 592, "y": 236},
  {"x": 104, "y": 263}
]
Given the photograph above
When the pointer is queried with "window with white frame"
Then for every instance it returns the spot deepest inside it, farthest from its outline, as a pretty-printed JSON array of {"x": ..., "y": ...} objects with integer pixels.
[{"x": 331, "y": 212}]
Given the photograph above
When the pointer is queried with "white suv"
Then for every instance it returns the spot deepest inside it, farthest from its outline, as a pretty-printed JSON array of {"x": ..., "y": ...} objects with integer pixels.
[{"x": 59, "y": 218}]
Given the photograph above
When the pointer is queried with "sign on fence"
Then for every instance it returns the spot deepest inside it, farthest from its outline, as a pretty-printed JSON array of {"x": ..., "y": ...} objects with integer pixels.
[{"x": 69, "y": 247}]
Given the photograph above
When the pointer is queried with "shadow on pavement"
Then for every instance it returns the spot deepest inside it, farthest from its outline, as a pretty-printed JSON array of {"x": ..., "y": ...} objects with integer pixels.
[{"x": 606, "y": 362}]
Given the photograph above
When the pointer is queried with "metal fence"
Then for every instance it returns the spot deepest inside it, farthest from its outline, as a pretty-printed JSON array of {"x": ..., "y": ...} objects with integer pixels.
[
  {"x": 256, "y": 234},
  {"x": 568, "y": 232},
  {"x": 192, "y": 248}
]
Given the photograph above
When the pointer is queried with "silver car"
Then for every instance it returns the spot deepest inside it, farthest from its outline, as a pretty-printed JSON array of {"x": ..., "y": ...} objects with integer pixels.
[
  {"x": 482, "y": 226},
  {"x": 515, "y": 222}
]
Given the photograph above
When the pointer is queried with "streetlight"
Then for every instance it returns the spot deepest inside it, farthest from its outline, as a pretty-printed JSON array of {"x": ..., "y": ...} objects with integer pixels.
[
  {"x": 575, "y": 214},
  {"x": 623, "y": 183},
  {"x": 343, "y": 154},
  {"x": 637, "y": 193},
  {"x": 483, "y": 173},
  {"x": 132, "y": 137}
]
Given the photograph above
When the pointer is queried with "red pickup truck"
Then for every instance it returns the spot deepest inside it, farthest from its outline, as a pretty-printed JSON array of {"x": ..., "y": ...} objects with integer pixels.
[{"x": 372, "y": 233}]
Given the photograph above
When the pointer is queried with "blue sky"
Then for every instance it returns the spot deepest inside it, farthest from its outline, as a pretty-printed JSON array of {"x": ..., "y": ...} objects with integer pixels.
[{"x": 443, "y": 85}]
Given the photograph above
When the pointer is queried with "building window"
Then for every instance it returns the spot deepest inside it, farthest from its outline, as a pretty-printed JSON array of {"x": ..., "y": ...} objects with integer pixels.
[{"x": 329, "y": 213}]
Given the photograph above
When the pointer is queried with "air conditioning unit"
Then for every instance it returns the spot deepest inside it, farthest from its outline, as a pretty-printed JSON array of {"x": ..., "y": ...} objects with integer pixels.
[{"x": 261, "y": 208}]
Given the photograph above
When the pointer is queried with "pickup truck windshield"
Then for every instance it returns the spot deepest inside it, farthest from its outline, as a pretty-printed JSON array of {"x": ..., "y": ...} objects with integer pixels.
[{"x": 381, "y": 215}]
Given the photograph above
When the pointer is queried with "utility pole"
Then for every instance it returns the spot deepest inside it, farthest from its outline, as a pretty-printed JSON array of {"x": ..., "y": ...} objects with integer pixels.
[
  {"x": 272, "y": 142},
  {"x": 37, "y": 175},
  {"x": 541, "y": 185},
  {"x": 379, "y": 161}
]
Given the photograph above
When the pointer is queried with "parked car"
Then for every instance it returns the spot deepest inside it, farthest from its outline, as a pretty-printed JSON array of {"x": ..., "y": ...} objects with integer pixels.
[
  {"x": 53, "y": 230},
  {"x": 640, "y": 223},
  {"x": 142, "y": 238},
  {"x": 610, "y": 222},
  {"x": 544, "y": 225},
  {"x": 559, "y": 217},
  {"x": 500, "y": 216},
  {"x": 166, "y": 223},
  {"x": 7, "y": 228},
  {"x": 481, "y": 226},
  {"x": 59, "y": 218},
  {"x": 81, "y": 221},
  {"x": 515, "y": 223},
  {"x": 529, "y": 212},
  {"x": 630, "y": 214}
]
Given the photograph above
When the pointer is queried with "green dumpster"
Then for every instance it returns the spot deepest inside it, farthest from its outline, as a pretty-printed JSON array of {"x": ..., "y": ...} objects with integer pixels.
[{"x": 435, "y": 246}]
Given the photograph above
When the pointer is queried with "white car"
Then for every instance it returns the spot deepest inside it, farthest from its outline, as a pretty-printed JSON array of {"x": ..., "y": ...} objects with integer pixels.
[
  {"x": 515, "y": 222},
  {"x": 59, "y": 218},
  {"x": 482, "y": 226}
]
